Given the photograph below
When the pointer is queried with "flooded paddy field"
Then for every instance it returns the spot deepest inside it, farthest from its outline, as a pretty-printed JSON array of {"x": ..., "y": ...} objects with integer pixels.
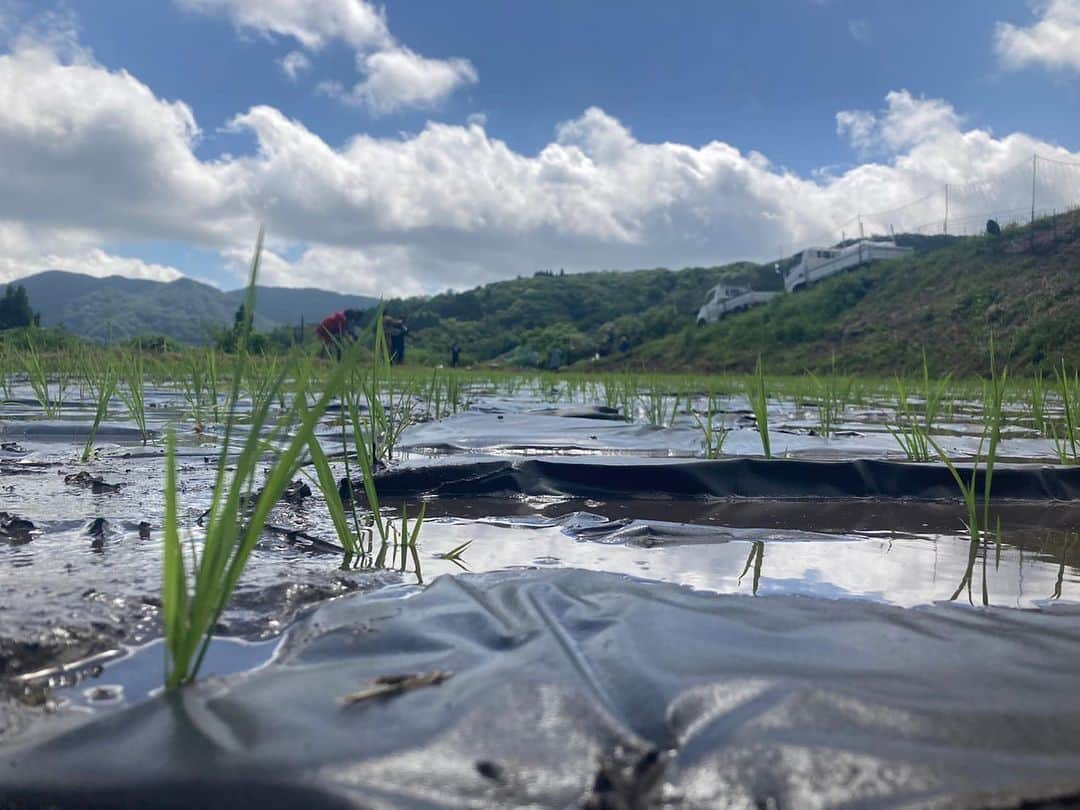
[{"x": 614, "y": 598}]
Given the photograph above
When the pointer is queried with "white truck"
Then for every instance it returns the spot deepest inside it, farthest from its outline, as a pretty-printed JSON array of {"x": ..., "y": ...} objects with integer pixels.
[
  {"x": 723, "y": 299},
  {"x": 816, "y": 264}
]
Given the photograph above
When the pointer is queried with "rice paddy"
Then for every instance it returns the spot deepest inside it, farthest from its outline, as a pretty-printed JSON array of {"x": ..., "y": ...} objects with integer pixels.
[{"x": 239, "y": 474}]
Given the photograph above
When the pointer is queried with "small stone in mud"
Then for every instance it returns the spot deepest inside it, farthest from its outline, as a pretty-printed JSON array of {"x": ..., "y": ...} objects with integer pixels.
[
  {"x": 15, "y": 528},
  {"x": 144, "y": 530},
  {"x": 296, "y": 492},
  {"x": 104, "y": 694},
  {"x": 344, "y": 489},
  {"x": 95, "y": 483}
]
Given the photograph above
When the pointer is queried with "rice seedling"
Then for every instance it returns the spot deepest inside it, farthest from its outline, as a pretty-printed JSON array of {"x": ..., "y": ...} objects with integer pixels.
[
  {"x": 1036, "y": 400},
  {"x": 979, "y": 527},
  {"x": 101, "y": 383},
  {"x": 832, "y": 395},
  {"x": 443, "y": 394},
  {"x": 39, "y": 381},
  {"x": 911, "y": 432},
  {"x": 6, "y": 375},
  {"x": 620, "y": 392},
  {"x": 367, "y": 446},
  {"x": 261, "y": 378},
  {"x": 196, "y": 390},
  {"x": 759, "y": 403},
  {"x": 364, "y": 441},
  {"x": 132, "y": 393},
  {"x": 714, "y": 431},
  {"x": 192, "y": 602},
  {"x": 455, "y": 393},
  {"x": 1067, "y": 445},
  {"x": 212, "y": 386},
  {"x": 389, "y": 417},
  {"x": 655, "y": 402}
]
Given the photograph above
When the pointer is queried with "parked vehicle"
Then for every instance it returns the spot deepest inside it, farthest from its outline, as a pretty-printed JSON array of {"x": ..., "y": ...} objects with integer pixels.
[
  {"x": 723, "y": 299},
  {"x": 816, "y": 264}
]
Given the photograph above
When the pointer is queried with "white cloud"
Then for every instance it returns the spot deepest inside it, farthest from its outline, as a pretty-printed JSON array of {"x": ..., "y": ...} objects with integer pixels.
[
  {"x": 859, "y": 126},
  {"x": 293, "y": 64},
  {"x": 90, "y": 156},
  {"x": 393, "y": 76},
  {"x": 25, "y": 250},
  {"x": 73, "y": 134},
  {"x": 905, "y": 121},
  {"x": 312, "y": 23},
  {"x": 1053, "y": 41},
  {"x": 399, "y": 78}
]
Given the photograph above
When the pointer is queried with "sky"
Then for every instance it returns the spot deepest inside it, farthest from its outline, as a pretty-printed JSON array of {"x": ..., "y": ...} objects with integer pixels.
[{"x": 423, "y": 145}]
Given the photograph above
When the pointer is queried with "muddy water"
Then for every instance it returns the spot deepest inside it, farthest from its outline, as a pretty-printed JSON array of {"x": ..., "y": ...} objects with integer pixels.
[{"x": 79, "y": 591}]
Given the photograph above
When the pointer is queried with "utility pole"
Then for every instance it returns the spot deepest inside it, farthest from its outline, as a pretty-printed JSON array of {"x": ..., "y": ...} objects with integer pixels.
[
  {"x": 946, "y": 228},
  {"x": 862, "y": 235}
]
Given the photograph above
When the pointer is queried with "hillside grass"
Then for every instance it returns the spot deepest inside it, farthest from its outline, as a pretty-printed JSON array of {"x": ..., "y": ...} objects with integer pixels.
[{"x": 877, "y": 320}]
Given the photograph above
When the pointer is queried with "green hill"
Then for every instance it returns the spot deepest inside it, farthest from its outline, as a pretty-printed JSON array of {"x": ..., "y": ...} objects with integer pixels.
[
  {"x": 948, "y": 296},
  {"x": 580, "y": 313},
  {"x": 116, "y": 308},
  {"x": 877, "y": 319}
]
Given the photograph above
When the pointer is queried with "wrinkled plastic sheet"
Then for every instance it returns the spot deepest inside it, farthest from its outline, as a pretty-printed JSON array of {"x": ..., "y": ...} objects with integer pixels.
[
  {"x": 568, "y": 686},
  {"x": 726, "y": 478}
]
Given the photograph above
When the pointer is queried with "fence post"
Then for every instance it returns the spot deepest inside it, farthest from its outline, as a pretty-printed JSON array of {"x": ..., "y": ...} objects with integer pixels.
[{"x": 1034, "y": 169}]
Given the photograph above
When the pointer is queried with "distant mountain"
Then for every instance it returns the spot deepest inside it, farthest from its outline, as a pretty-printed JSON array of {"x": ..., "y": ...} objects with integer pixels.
[
  {"x": 286, "y": 305},
  {"x": 115, "y": 308}
]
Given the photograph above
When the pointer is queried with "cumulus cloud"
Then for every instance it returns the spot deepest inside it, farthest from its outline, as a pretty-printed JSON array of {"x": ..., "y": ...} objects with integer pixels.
[
  {"x": 399, "y": 78},
  {"x": 90, "y": 156},
  {"x": 393, "y": 77},
  {"x": 1053, "y": 41},
  {"x": 904, "y": 122}
]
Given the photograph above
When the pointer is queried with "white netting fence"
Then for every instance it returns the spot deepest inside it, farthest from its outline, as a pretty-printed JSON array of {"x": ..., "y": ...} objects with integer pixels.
[{"x": 1035, "y": 188}]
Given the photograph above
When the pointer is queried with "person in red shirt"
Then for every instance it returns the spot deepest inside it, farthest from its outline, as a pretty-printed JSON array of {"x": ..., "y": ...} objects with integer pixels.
[{"x": 335, "y": 329}]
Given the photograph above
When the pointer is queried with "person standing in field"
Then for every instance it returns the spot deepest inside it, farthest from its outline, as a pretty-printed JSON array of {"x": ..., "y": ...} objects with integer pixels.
[
  {"x": 335, "y": 329},
  {"x": 395, "y": 329}
]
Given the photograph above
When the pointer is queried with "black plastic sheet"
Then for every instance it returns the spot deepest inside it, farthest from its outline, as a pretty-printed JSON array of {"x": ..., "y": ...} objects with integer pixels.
[
  {"x": 568, "y": 687},
  {"x": 727, "y": 478}
]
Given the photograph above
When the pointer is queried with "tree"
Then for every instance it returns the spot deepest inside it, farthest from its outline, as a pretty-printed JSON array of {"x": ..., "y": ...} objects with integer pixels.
[{"x": 15, "y": 308}]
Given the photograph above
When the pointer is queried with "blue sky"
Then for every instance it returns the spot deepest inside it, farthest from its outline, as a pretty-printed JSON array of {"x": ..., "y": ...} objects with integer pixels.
[
  {"x": 766, "y": 76},
  {"x": 511, "y": 136}
]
